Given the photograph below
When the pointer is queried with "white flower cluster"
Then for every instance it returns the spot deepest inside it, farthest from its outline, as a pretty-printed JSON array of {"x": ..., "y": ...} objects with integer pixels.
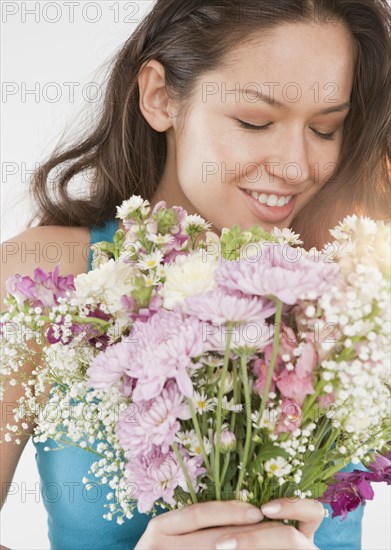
[{"x": 357, "y": 370}]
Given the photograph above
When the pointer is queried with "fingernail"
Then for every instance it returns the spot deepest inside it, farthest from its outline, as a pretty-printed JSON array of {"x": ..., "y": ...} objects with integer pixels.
[
  {"x": 254, "y": 514},
  {"x": 271, "y": 508},
  {"x": 227, "y": 544}
]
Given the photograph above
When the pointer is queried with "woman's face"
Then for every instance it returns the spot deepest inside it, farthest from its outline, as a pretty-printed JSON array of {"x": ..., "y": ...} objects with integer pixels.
[{"x": 303, "y": 74}]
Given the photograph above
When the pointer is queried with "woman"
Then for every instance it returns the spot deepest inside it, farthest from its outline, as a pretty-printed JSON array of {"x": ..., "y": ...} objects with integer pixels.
[{"x": 263, "y": 112}]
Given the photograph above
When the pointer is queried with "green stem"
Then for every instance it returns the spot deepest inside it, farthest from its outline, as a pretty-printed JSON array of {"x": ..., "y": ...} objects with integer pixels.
[
  {"x": 199, "y": 435},
  {"x": 321, "y": 431},
  {"x": 243, "y": 366},
  {"x": 81, "y": 320},
  {"x": 218, "y": 411},
  {"x": 311, "y": 399},
  {"x": 276, "y": 344},
  {"x": 233, "y": 416},
  {"x": 185, "y": 472},
  {"x": 329, "y": 472}
]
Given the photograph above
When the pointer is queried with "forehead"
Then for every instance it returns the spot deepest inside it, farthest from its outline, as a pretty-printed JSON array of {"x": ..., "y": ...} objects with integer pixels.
[{"x": 317, "y": 58}]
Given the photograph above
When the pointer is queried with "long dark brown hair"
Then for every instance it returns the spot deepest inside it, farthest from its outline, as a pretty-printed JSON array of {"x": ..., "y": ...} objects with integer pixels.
[{"x": 123, "y": 155}]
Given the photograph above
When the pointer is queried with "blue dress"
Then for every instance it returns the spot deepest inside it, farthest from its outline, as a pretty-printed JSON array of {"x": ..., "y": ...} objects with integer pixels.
[{"x": 75, "y": 519}]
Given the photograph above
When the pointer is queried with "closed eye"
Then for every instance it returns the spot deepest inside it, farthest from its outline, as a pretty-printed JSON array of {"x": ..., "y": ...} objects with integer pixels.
[
  {"x": 329, "y": 137},
  {"x": 249, "y": 126}
]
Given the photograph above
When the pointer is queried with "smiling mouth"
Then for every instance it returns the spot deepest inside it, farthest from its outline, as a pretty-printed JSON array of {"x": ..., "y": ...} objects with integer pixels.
[
  {"x": 269, "y": 199},
  {"x": 269, "y": 208}
]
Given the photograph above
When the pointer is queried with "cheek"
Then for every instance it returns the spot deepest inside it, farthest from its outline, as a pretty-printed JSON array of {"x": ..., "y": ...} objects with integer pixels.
[
  {"x": 324, "y": 165},
  {"x": 205, "y": 155}
]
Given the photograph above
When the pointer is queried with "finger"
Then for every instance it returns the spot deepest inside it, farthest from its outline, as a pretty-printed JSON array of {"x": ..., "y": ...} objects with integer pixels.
[
  {"x": 274, "y": 538},
  {"x": 205, "y": 539},
  {"x": 205, "y": 514},
  {"x": 309, "y": 512}
]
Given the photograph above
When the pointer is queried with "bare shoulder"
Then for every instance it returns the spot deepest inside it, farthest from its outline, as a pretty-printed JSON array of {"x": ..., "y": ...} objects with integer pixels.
[{"x": 46, "y": 247}]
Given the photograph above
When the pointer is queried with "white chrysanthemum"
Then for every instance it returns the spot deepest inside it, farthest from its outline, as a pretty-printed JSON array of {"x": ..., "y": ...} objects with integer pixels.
[
  {"x": 187, "y": 276},
  {"x": 360, "y": 240},
  {"x": 194, "y": 221},
  {"x": 129, "y": 206},
  {"x": 107, "y": 283},
  {"x": 277, "y": 467},
  {"x": 201, "y": 403},
  {"x": 228, "y": 382},
  {"x": 152, "y": 279},
  {"x": 228, "y": 405},
  {"x": 98, "y": 256},
  {"x": 150, "y": 261},
  {"x": 160, "y": 239},
  {"x": 286, "y": 236},
  {"x": 269, "y": 418},
  {"x": 186, "y": 437},
  {"x": 195, "y": 447}
]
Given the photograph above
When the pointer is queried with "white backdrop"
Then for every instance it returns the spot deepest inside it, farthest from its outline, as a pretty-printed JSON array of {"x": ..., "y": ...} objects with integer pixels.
[{"x": 50, "y": 55}]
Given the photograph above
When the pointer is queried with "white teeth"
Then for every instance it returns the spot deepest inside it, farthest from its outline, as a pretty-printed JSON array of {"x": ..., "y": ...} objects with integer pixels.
[
  {"x": 270, "y": 200},
  {"x": 263, "y": 198}
]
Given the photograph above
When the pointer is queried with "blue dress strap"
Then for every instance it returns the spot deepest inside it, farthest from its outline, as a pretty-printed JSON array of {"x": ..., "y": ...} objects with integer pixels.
[{"x": 103, "y": 232}]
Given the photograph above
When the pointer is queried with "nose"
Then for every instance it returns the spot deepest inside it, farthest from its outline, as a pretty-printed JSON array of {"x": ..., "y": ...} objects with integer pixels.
[{"x": 289, "y": 160}]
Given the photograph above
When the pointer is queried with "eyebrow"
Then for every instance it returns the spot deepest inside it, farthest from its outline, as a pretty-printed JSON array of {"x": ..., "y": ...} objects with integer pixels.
[{"x": 277, "y": 104}]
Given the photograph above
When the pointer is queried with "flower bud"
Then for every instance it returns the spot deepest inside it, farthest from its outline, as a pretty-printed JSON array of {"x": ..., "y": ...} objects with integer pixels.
[
  {"x": 227, "y": 441},
  {"x": 119, "y": 235},
  {"x": 228, "y": 382}
]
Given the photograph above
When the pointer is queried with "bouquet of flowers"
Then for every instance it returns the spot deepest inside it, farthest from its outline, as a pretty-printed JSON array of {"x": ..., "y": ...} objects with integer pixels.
[{"x": 199, "y": 367}]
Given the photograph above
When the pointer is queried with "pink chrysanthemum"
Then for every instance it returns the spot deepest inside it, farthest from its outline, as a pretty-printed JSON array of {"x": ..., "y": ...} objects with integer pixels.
[
  {"x": 156, "y": 475},
  {"x": 276, "y": 274},
  {"x": 253, "y": 334},
  {"x": 108, "y": 367},
  {"x": 218, "y": 306},
  {"x": 155, "y": 423},
  {"x": 163, "y": 348}
]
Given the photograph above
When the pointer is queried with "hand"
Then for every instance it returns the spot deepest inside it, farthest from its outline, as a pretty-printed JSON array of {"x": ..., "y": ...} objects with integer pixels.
[
  {"x": 204, "y": 525},
  {"x": 276, "y": 535}
]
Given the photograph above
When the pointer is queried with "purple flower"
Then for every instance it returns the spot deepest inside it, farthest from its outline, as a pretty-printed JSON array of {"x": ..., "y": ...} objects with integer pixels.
[
  {"x": 43, "y": 290},
  {"x": 156, "y": 475},
  {"x": 276, "y": 274},
  {"x": 354, "y": 488},
  {"x": 381, "y": 468},
  {"x": 141, "y": 314},
  {"x": 176, "y": 230},
  {"x": 351, "y": 490}
]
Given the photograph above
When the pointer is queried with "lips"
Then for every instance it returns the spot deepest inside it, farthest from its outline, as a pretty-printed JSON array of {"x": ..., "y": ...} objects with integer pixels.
[{"x": 269, "y": 214}]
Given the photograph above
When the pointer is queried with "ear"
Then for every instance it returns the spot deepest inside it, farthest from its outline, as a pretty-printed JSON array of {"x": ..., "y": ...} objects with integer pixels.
[{"x": 154, "y": 100}]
